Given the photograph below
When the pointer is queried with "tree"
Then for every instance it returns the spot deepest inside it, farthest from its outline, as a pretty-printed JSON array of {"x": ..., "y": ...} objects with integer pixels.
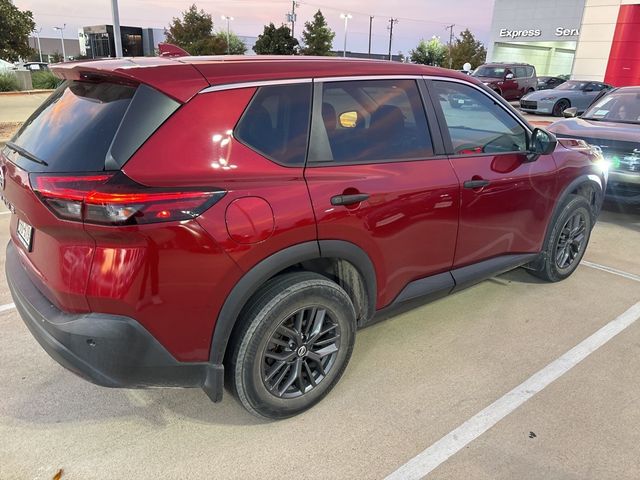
[
  {"x": 275, "y": 41},
  {"x": 236, "y": 46},
  {"x": 429, "y": 53},
  {"x": 194, "y": 33},
  {"x": 15, "y": 28},
  {"x": 317, "y": 36},
  {"x": 465, "y": 49}
]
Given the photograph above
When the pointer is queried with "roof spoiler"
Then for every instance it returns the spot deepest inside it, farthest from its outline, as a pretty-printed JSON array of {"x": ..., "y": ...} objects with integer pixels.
[{"x": 170, "y": 50}]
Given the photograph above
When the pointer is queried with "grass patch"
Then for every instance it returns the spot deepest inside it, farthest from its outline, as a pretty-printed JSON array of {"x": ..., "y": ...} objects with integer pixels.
[
  {"x": 45, "y": 80},
  {"x": 8, "y": 82}
]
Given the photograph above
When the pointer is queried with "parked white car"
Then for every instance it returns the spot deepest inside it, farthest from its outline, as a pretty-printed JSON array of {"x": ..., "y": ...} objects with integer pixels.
[{"x": 6, "y": 66}]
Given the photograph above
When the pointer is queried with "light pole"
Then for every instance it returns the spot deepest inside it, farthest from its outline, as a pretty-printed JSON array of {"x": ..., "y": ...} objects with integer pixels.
[
  {"x": 117, "y": 38},
  {"x": 37, "y": 32},
  {"x": 346, "y": 17},
  {"x": 228, "y": 19},
  {"x": 61, "y": 29}
]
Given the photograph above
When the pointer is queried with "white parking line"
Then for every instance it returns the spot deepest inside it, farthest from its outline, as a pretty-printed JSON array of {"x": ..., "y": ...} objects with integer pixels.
[
  {"x": 425, "y": 462},
  {"x": 8, "y": 306},
  {"x": 5, "y": 213},
  {"x": 615, "y": 271}
]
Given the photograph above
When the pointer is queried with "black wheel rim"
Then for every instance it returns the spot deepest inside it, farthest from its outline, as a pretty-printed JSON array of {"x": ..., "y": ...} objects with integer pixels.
[
  {"x": 560, "y": 107},
  {"x": 572, "y": 240},
  {"x": 301, "y": 352}
]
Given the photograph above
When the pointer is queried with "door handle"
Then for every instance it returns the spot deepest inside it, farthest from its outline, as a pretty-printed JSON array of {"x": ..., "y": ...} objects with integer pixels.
[
  {"x": 349, "y": 199},
  {"x": 476, "y": 183}
]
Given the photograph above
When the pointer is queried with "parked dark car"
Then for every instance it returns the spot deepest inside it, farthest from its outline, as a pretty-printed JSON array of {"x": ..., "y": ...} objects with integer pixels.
[
  {"x": 509, "y": 80},
  {"x": 549, "y": 83},
  {"x": 613, "y": 125},
  {"x": 179, "y": 221},
  {"x": 572, "y": 93}
]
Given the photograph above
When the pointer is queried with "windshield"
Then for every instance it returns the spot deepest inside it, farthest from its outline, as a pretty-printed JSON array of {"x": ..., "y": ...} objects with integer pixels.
[
  {"x": 485, "y": 71},
  {"x": 618, "y": 106},
  {"x": 572, "y": 85}
]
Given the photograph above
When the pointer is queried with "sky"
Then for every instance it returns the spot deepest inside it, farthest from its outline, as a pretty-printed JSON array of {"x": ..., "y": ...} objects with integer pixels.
[{"x": 417, "y": 19}]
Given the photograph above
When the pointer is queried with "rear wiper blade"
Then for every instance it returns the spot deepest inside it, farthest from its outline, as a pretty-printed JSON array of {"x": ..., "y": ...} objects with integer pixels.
[{"x": 26, "y": 154}]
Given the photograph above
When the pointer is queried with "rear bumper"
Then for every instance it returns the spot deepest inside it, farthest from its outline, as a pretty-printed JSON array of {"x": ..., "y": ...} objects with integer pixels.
[{"x": 108, "y": 350}]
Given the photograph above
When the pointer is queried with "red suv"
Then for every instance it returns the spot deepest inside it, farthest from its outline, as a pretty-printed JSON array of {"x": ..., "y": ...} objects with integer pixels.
[
  {"x": 510, "y": 80},
  {"x": 179, "y": 221}
]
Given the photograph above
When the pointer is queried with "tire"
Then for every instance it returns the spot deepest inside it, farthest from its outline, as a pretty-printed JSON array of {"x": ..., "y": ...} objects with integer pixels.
[
  {"x": 287, "y": 306},
  {"x": 556, "y": 265},
  {"x": 560, "y": 106}
]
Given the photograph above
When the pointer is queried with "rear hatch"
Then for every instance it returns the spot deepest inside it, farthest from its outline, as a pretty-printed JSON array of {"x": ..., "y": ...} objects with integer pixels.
[{"x": 73, "y": 146}]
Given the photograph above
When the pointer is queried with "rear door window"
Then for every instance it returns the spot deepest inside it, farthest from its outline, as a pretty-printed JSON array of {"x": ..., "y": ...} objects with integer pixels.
[
  {"x": 520, "y": 72},
  {"x": 276, "y": 123},
  {"x": 369, "y": 121},
  {"x": 73, "y": 129}
]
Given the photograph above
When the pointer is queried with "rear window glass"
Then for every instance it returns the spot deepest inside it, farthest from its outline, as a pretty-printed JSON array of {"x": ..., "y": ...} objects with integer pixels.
[
  {"x": 276, "y": 123},
  {"x": 73, "y": 129}
]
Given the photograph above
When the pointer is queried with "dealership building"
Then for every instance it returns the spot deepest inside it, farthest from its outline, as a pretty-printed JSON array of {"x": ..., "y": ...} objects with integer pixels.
[{"x": 587, "y": 39}]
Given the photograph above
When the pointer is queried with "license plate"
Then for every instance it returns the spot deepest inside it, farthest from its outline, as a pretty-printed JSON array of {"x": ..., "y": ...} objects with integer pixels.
[{"x": 25, "y": 234}]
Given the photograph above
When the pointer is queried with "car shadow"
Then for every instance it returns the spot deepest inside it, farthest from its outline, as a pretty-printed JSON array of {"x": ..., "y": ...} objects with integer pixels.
[
  {"x": 60, "y": 397},
  {"x": 623, "y": 215}
]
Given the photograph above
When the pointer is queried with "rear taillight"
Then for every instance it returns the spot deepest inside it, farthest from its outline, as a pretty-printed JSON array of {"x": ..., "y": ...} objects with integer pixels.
[{"x": 115, "y": 199}]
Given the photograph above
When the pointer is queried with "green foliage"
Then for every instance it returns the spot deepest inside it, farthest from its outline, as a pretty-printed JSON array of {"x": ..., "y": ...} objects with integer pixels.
[
  {"x": 8, "y": 82},
  {"x": 15, "y": 28},
  {"x": 45, "y": 80},
  {"x": 465, "y": 49},
  {"x": 236, "y": 46},
  {"x": 194, "y": 34},
  {"x": 317, "y": 37},
  {"x": 276, "y": 41},
  {"x": 55, "y": 57},
  {"x": 429, "y": 53}
]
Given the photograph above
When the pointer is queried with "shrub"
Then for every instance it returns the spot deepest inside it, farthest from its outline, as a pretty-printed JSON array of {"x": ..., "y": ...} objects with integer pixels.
[
  {"x": 45, "y": 80},
  {"x": 8, "y": 82}
]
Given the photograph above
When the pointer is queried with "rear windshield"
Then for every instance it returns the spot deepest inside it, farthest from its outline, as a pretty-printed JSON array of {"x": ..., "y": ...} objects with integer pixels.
[{"x": 73, "y": 129}]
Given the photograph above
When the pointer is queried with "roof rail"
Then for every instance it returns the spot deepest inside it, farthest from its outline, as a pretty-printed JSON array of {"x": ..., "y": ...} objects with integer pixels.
[{"x": 171, "y": 50}]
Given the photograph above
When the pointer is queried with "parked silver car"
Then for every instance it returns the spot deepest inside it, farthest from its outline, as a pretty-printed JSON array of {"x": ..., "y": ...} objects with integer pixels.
[{"x": 574, "y": 93}]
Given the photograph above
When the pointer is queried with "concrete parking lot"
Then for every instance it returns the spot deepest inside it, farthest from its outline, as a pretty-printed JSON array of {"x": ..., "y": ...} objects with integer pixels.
[{"x": 413, "y": 380}]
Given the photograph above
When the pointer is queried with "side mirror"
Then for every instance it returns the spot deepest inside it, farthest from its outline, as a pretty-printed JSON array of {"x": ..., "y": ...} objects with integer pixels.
[
  {"x": 570, "y": 112},
  {"x": 508, "y": 76},
  {"x": 541, "y": 143}
]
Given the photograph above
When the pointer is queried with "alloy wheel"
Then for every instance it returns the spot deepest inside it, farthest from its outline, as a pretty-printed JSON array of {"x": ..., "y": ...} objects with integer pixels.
[
  {"x": 300, "y": 353},
  {"x": 571, "y": 241}
]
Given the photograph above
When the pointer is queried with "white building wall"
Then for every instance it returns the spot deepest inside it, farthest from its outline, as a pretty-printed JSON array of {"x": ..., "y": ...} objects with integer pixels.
[{"x": 596, "y": 36}]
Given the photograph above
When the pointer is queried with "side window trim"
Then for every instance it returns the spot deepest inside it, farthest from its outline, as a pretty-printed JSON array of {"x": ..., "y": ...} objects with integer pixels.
[
  {"x": 433, "y": 125},
  {"x": 444, "y": 130}
]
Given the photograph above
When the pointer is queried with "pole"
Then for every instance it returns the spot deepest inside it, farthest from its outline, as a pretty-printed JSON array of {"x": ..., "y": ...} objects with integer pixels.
[
  {"x": 228, "y": 19},
  {"x": 346, "y": 17},
  {"x": 117, "y": 39},
  {"x": 392, "y": 21},
  {"x": 39, "y": 48},
  {"x": 294, "y": 4},
  {"x": 370, "y": 25},
  {"x": 450, "y": 28},
  {"x": 61, "y": 30}
]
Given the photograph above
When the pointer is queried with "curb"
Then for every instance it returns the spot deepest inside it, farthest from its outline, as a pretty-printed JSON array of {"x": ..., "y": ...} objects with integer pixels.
[{"x": 25, "y": 92}]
